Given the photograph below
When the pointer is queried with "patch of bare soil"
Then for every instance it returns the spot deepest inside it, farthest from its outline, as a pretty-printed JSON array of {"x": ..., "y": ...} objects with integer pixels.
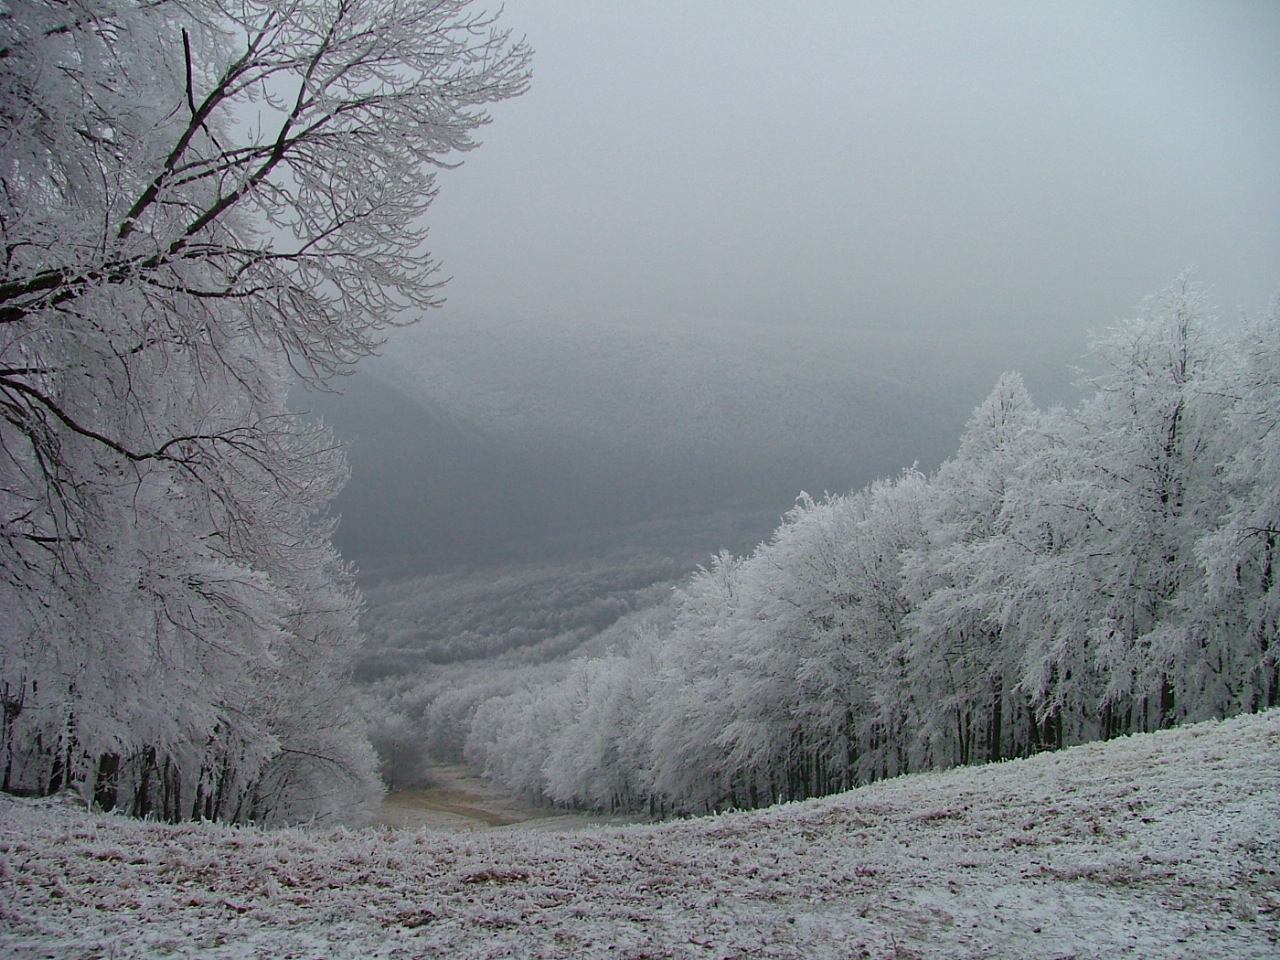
[{"x": 456, "y": 799}]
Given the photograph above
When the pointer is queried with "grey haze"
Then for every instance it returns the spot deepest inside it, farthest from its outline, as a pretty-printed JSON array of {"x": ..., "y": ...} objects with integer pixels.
[{"x": 726, "y": 251}]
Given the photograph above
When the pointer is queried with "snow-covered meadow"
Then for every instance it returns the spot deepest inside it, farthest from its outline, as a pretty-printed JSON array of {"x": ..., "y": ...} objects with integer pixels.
[{"x": 1161, "y": 845}]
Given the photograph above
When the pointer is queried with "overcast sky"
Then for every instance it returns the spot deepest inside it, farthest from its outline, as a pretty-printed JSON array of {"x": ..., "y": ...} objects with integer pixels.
[
  {"x": 1011, "y": 169},
  {"x": 726, "y": 251}
]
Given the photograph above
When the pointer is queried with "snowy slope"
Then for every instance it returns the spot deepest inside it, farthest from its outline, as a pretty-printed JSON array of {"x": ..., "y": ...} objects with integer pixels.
[{"x": 1165, "y": 845}]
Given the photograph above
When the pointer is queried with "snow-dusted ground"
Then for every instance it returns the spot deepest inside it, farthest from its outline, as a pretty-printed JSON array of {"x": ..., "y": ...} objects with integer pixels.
[{"x": 1153, "y": 846}]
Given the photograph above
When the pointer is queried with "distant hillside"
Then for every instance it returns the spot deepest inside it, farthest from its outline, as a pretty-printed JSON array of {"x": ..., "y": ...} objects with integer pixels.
[
  {"x": 1160, "y": 845},
  {"x": 475, "y": 440},
  {"x": 429, "y": 491}
]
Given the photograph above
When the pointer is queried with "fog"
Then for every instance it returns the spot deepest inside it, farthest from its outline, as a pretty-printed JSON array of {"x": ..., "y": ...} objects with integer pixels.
[{"x": 723, "y": 252}]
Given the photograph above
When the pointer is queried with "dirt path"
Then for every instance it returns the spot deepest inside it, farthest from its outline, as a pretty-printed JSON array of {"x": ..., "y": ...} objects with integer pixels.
[{"x": 455, "y": 799}]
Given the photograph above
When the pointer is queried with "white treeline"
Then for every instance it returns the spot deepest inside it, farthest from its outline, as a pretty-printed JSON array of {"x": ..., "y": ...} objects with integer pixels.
[
  {"x": 201, "y": 203},
  {"x": 1068, "y": 575}
]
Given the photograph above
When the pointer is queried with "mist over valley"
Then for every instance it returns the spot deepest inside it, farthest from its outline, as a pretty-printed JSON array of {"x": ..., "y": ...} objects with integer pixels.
[{"x": 474, "y": 441}]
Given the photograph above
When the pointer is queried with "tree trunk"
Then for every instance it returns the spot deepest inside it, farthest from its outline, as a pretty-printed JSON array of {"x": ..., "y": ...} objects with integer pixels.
[
  {"x": 106, "y": 782},
  {"x": 994, "y": 733}
]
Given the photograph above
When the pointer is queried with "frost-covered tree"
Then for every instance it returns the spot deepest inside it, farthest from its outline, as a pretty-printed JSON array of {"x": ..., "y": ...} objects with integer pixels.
[
  {"x": 890, "y": 526},
  {"x": 200, "y": 203},
  {"x": 689, "y": 706},
  {"x": 963, "y": 668},
  {"x": 1106, "y": 516},
  {"x": 592, "y": 759},
  {"x": 1237, "y": 640},
  {"x": 1152, "y": 444}
]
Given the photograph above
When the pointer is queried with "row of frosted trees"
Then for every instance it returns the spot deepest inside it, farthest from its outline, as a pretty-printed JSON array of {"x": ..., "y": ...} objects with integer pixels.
[
  {"x": 202, "y": 204},
  {"x": 1067, "y": 575}
]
